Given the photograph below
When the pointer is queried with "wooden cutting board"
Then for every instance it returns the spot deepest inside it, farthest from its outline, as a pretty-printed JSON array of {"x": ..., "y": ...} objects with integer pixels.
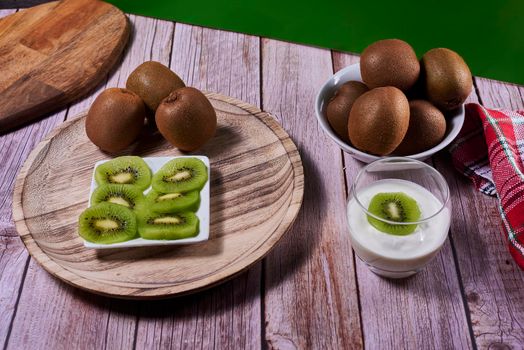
[
  {"x": 53, "y": 53},
  {"x": 257, "y": 185}
]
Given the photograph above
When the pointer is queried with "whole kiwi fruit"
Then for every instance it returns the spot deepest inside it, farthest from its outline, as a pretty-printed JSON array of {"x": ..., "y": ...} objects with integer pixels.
[
  {"x": 379, "y": 120},
  {"x": 115, "y": 119},
  {"x": 186, "y": 119},
  {"x": 153, "y": 81},
  {"x": 390, "y": 62},
  {"x": 427, "y": 127},
  {"x": 339, "y": 106},
  {"x": 447, "y": 78}
]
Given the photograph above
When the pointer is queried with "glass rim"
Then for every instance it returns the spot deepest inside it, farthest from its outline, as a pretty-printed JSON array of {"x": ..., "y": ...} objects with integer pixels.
[{"x": 424, "y": 165}]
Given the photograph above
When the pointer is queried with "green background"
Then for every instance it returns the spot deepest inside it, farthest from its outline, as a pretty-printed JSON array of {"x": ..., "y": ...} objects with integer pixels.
[{"x": 489, "y": 35}]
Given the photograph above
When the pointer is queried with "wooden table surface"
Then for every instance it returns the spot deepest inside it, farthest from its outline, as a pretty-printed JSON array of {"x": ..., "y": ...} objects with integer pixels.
[{"x": 310, "y": 291}]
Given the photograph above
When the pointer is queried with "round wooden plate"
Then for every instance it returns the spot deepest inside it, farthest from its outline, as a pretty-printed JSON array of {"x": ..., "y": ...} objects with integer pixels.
[{"x": 257, "y": 186}]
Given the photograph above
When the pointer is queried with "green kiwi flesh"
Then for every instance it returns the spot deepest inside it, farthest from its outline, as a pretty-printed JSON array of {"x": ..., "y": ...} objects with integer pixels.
[
  {"x": 397, "y": 207},
  {"x": 167, "y": 226},
  {"x": 129, "y": 196},
  {"x": 107, "y": 223},
  {"x": 180, "y": 175},
  {"x": 173, "y": 202},
  {"x": 126, "y": 170}
]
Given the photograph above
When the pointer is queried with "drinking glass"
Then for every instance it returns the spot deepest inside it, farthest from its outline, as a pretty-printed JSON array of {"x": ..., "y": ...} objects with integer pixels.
[{"x": 394, "y": 255}]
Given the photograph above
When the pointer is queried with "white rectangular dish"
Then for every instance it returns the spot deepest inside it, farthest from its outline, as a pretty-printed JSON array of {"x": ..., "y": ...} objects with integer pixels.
[{"x": 155, "y": 163}]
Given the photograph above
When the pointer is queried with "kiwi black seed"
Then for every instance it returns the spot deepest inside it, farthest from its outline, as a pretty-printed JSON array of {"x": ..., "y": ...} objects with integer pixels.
[
  {"x": 107, "y": 223},
  {"x": 125, "y": 170},
  {"x": 397, "y": 207},
  {"x": 186, "y": 119},
  {"x": 129, "y": 196},
  {"x": 152, "y": 225},
  {"x": 153, "y": 81},
  {"x": 180, "y": 175},
  {"x": 115, "y": 119},
  {"x": 339, "y": 106}
]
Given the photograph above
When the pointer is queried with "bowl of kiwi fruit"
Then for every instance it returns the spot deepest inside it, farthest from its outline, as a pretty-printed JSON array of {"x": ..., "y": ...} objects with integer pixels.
[
  {"x": 393, "y": 104},
  {"x": 135, "y": 202}
]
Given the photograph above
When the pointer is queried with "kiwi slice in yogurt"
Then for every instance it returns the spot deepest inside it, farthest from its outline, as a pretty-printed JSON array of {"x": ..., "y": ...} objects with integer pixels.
[{"x": 397, "y": 207}]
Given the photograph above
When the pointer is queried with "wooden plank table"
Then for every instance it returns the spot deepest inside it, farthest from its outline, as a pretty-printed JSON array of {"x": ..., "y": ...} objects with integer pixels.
[{"x": 310, "y": 292}]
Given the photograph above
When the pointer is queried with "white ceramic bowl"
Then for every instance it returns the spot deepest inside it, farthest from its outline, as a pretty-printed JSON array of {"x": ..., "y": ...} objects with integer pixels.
[{"x": 454, "y": 119}]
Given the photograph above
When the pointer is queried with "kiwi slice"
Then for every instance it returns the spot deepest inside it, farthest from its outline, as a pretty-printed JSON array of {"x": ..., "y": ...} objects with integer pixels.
[
  {"x": 173, "y": 202},
  {"x": 179, "y": 225},
  {"x": 107, "y": 223},
  {"x": 397, "y": 207},
  {"x": 126, "y": 170},
  {"x": 180, "y": 175},
  {"x": 129, "y": 196}
]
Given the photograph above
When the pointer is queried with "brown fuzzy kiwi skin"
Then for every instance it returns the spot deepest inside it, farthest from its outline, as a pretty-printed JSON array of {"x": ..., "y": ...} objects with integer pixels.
[
  {"x": 186, "y": 119},
  {"x": 427, "y": 127},
  {"x": 115, "y": 119},
  {"x": 153, "y": 81},
  {"x": 447, "y": 78},
  {"x": 339, "y": 106},
  {"x": 379, "y": 120},
  {"x": 390, "y": 62}
]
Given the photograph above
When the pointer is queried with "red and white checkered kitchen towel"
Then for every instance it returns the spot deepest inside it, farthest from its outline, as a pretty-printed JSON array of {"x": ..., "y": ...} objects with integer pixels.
[{"x": 490, "y": 151}]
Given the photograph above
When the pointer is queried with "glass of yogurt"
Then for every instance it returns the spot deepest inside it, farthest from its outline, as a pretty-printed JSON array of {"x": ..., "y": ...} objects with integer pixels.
[{"x": 398, "y": 215}]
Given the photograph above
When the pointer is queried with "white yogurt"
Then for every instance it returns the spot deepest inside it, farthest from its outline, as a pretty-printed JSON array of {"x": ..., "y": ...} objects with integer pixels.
[{"x": 397, "y": 256}]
